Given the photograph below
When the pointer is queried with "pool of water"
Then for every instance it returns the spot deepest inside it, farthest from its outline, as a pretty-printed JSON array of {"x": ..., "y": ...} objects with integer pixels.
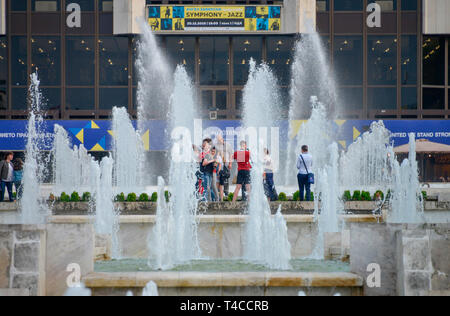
[{"x": 298, "y": 265}]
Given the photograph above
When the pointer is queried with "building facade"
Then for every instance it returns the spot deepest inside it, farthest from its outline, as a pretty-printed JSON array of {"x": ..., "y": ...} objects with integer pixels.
[{"x": 399, "y": 70}]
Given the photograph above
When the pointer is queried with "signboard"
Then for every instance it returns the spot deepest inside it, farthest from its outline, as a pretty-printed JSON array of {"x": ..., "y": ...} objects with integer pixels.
[{"x": 215, "y": 18}]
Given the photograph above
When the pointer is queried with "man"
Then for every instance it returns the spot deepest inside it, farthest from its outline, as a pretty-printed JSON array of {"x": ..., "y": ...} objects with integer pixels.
[
  {"x": 7, "y": 176},
  {"x": 207, "y": 169},
  {"x": 225, "y": 151},
  {"x": 304, "y": 166},
  {"x": 244, "y": 167}
]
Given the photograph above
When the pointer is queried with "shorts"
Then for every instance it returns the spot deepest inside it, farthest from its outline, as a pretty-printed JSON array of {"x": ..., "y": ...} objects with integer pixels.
[
  {"x": 243, "y": 177},
  {"x": 224, "y": 177}
]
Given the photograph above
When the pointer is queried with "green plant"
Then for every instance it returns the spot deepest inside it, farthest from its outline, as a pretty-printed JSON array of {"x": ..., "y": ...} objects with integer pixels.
[
  {"x": 282, "y": 197},
  {"x": 296, "y": 196},
  {"x": 64, "y": 197},
  {"x": 347, "y": 196},
  {"x": 75, "y": 197},
  {"x": 424, "y": 195},
  {"x": 14, "y": 195},
  {"x": 143, "y": 197},
  {"x": 231, "y": 197},
  {"x": 312, "y": 197},
  {"x": 356, "y": 196},
  {"x": 132, "y": 197},
  {"x": 365, "y": 196},
  {"x": 378, "y": 196},
  {"x": 167, "y": 195},
  {"x": 120, "y": 197},
  {"x": 86, "y": 197},
  {"x": 154, "y": 197}
]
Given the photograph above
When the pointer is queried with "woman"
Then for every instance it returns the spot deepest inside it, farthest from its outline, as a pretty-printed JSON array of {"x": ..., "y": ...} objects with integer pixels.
[
  {"x": 216, "y": 171},
  {"x": 269, "y": 185},
  {"x": 18, "y": 176}
]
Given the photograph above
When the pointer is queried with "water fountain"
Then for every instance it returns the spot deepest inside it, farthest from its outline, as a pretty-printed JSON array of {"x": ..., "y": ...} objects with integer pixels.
[
  {"x": 266, "y": 236},
  {"x": 151, "y": 289}
]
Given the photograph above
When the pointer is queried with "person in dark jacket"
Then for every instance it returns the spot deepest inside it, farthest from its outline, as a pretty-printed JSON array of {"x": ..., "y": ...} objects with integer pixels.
[{"x": 7, "y": 177}]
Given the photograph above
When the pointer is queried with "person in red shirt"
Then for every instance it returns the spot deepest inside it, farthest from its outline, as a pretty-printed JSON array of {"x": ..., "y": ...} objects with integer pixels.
[{"x": 242, "y": 157}]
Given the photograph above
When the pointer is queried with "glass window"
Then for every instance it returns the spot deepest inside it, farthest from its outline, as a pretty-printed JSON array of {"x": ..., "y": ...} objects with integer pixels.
[
  {"x": 113, "y": 61},
  {"x": 3, "y": 61},
  {"x": 80, "y": 99},
  {"x": 382, "y": 60},
  {"x": 207, "y": 99},
  {"x": 3, "y": 98},
  {"x": 409, "y": 59},
  {"x": 80, "y": 57},
  {"x": 221, "y": 100},
  {"x": 46, "y": 59},
  {"x": 45, "y": 5},
  {"x": 214, "y": 61},
  {"x": 238, "y": 99},
  {"x": 409, "y": 98},
  {"x": 351, "y": 98},
  {"x": 106, "y": 6},
  {"x": 19, "y": 61},
  {"x": 434, "y": 61},
  {"x": 86, "y": 5},
  {"x": 348, "y": 50},
  {"x": 348, "y": 5},
  {"x": 279, "y": 57},
  {"x": 51, "y": 98},
  {"x": 382, "y": 98},
  {"x": 409, "y": 5},
  {"x": 433, "y": 99},
  {"x": 19, "y": 5},
  {"x": 244, "y": 49},
  {"x": 19, "y": 98},
  {"x": 386, "y": 5},
  {"x": 323, "y": 5},
  {"x": 111, "y": 97},
  {"x": 181, "y": 51}
]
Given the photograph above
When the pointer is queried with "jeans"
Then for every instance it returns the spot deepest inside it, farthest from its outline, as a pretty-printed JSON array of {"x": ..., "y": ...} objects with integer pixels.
[
  {"x": 208, "y": 195},
  {"x": 9, "y": 187},
  {"x": 19, "y": 189},
  {"x": 269, "y": 185},
  {"x": 214, "y": 190},
  {"x": 303, "y": 184}
]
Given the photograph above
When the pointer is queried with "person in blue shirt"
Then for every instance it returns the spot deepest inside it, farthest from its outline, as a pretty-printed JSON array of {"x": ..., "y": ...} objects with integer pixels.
[{"x": 18, "y": 176}]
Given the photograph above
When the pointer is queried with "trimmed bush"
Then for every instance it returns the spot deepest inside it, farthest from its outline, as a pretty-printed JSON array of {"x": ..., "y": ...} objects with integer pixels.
[
  {"x": 75, "y": 197},
  {"x": 120, "y": 197},
  {"x": 154, "y": 197},
  {"x": 132, "y": 197},
  {"x": 86, "y": 197},
  {"x": 365, "y": 196},
  {"x": 378, "y": 196},
  {"x": 64, "y": 197},
  {"x": 296, "y": 196},
  {"x": 167, "y": 195},
  {"x": 230, "y": 197},
  {"x": 424, "y": 195},
  {"x": 312, "y": 197},
  {"x": 347, "y": 196},
  {"x": 282, "y": 197},
  {"x": 143, "y": 197},
  {"x": 356, "y": 196}
]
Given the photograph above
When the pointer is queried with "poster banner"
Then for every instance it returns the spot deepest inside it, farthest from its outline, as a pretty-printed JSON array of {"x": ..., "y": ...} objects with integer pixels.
[{"x": 215, "y": 18}]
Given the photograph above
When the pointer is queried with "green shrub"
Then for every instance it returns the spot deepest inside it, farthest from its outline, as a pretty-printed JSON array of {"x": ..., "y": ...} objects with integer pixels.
[
  {"x": 143, "y": 197},
  {"x": 424, "y": 195},
  {"x": 75, "y": 197},
  {"x": 64, "y": 197},
  {"x": 356, "y": 196},
  {"x": 379, "y": 195},
  {"x": 120, "y": 197},
  {"x": 154, "y": 197},
  {"x": 86, "y": 197},
  {"x": 365, "y": 196},
  {"x": 296, "y": 196},
  {"x": 230, "y": 197},
  {"x": 282, "y": 197},
  {"x": 132, "y": 197},
  {"x": 167, "y": 195},
  {"x": 312, "y": 197},
  {"x": 347, "y": 196}
]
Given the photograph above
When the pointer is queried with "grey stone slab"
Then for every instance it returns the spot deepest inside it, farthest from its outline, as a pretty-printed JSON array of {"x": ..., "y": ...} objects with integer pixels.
[
  {"x": 416, "y": 254},
  {"x": 23, "y": 236},
  {"x": 26, "y": 257},
  {"x": 417, "y": 283},
  {"x": 29, "y": 282},
  {"x": 14, "y": 292},
  {"x": 5, "y": 258}
]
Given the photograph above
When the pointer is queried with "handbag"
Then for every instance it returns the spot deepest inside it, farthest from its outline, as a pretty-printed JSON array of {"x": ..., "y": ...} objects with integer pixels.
[{"x": 311, "y": 178}]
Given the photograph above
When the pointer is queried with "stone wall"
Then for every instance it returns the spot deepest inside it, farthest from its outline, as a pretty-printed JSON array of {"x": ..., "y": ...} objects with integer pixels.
[{"x": 22, "y": 260}]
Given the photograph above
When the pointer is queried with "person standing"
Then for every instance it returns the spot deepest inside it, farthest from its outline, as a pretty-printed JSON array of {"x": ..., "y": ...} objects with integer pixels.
[
  {"x": 304, "y": 166},
  {"x": 7, "y": 177},
  {"x": 225, "y": 152},
  {"x": 217, "y": 166},
  {"x": 207, "y": 168},
  {"x": 18, "y": 176},
  {"x": 242, "y": 158},
  {"x": 269, "y": 184}
]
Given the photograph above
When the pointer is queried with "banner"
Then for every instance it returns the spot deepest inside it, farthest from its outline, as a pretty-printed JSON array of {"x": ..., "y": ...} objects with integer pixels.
[{"x": 215, "y": 18}]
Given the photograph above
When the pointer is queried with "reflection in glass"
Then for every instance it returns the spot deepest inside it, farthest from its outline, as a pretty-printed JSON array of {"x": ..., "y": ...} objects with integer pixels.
[
  {"x": 51, "y": 98},
  {"x": 105, "y": 5},
  {"x": 348, "y": 5},
  {"x": 45, "y": 5},
  {"x": 409, "y": 98},
  {"x": 111, "y": 97},
  {"x": 221, "y": 100},
  {"x": 386, "y": 5},
  {"x": 86, "y": 5},
  {"x": 409, "y": 59},
  {"x": 433, "y": 99},
  {"x": 19, "y": 60},
  {"x": 409, "y": 5},
  {"x": 80, "y": 99},
  {"x": 245, "y": 48},
  {"x": 80, "y": 57},
  {"x": 46, "y": 59},
  {"x": 207, "y": 99},
  {"x": 279, "y": 57},
  {"x": 19, "y": 5},
  {"x": 3, "y": 98},
  {"x": 113, "y": 61},
  {"x": 214, "y": 61},
  {"x": 348, "y": 50},
  {"x": 19, "y": 98},
  {"x": 434, "y": 61},
  {"x": 238, "y": 99},
  {"x": 181, "y": 51},
  {"x": 382, "y": 98},
  {"x": 322, "y": 5},
  {"x": 351, "y": 99},
  {"x": 3, "y": 60},
  {"x": 382, "y": 60}
]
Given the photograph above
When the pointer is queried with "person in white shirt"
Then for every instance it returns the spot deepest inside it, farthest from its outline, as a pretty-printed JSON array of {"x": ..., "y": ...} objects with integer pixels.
[{"x": 304, "y": 166}]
